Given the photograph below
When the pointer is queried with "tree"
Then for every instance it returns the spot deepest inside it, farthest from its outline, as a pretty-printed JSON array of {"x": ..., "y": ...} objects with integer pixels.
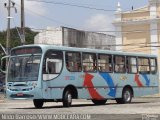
[{"x": 15, "y": 39}]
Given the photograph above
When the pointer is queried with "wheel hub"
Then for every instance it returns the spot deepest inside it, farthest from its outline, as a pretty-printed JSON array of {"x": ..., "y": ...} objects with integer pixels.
[
  {"x": 127, "y": 96},
  {"x": 69, "y": 98}
]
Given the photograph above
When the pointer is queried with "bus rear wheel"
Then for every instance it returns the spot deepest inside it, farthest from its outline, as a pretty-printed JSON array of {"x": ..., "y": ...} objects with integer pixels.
[
  {"x": 126, "y": 97},
  {"x": 67, "y": 99},
  {"x": 99, "y": 102},
  {"x": 38, "y": 103}
]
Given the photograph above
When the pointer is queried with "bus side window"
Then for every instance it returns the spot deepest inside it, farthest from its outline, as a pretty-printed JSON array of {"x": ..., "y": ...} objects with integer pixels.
[
  {"x": 143, "y": 65},
  {"x": 52, "y": 64},
  {"x": 73, "y": 61},
  {"x": 89, "y": 62},
  {"x": 104, "y": 63},
  {"x": 119, "y": 64},
  {"x": 153, "y": 65},
  {"x": 51, "y": 67},
  {"x": 131, "y": 65}
]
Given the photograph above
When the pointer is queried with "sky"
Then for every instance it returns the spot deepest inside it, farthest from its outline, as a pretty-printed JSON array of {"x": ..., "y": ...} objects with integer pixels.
[{"x": 78, "y": 14}]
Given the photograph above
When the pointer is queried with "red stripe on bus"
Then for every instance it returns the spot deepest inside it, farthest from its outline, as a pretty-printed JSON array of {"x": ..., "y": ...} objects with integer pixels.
[
  {"x": 137, "y": 80},
  {"x": 90, "y": 87}
]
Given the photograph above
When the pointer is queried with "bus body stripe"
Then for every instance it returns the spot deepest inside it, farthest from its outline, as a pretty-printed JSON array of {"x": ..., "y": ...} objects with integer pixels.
[
  {"x": 146, "y": 79},
  {"x": 137, "y": 80},
  {"x": 90, "y": 87},
  {"x": 110, "y": 83}
]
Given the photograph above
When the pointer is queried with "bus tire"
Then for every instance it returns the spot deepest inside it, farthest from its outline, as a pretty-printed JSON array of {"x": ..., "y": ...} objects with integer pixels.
[
  {"x": 99, "y": 102},
  {"x": 38, "y": 103},
  {"x": 67, "y": 99},
  {"x": 126, "y": 97}
]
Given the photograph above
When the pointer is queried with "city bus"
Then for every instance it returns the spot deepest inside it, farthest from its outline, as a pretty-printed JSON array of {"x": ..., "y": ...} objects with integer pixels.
[{"x": 48, "y": 73}]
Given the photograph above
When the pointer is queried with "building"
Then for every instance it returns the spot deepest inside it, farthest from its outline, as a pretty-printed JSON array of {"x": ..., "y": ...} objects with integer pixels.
[
  {"x": 138, "y": 30},
  {"x": 75, "y": 38}
]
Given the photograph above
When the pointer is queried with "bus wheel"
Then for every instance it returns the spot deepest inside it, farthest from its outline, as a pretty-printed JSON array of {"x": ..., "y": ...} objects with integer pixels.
[
  {"x": 67, "y": 99},
  {"x": 99, "y": 102},
  {"x": 126, "y": 97},
  {"x": 38, "y": 103}
]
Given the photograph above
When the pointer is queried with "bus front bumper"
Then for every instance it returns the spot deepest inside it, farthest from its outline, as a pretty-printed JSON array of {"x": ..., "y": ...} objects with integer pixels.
[{"x": 22, "y": 95}]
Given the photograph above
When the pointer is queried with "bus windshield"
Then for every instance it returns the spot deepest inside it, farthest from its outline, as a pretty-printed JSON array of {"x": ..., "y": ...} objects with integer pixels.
[{"x": 24, "y": 68}]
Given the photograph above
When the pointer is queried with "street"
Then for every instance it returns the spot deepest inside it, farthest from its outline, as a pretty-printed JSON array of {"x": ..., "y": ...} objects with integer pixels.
[{"x": 112, "y": 110}]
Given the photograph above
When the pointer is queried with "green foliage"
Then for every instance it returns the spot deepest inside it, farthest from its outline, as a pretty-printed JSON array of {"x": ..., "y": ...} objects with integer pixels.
[{"x": 15, "y": 39}]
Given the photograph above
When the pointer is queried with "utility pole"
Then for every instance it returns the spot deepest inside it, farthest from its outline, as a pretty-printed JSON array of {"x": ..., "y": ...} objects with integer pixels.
[
  {"x": 8, "y": 5},
  {"x": 8, "y": 25},
  {"x": 22, "y": 23}
]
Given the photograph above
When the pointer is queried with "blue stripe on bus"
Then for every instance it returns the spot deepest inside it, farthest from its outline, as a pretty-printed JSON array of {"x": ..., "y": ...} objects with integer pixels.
[
  {"x": 110, "y": 83},
  {"x": 146, "y": 79}
]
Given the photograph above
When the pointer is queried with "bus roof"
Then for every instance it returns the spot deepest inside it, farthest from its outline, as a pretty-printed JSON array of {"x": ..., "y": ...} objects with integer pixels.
[{"x": 46, "y": 47}]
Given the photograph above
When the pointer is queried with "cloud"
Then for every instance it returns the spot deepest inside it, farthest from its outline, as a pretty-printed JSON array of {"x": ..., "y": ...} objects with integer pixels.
[
  {"x": 32, "y": 7},
  {"x": 99, "y": 22}
]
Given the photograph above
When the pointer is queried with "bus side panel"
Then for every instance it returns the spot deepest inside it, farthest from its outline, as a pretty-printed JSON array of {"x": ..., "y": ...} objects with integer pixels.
[
  {"x": 51, "y": 90},
  {"x": 138, "y": 92},
  {"x": 99, "y": 85},
  {"x": 83, "y": 93},
  {"x": 142, "y": 84}
]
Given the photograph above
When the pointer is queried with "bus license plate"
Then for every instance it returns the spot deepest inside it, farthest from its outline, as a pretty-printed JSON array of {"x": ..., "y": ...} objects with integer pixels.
[{"x": 19, "y": 94}]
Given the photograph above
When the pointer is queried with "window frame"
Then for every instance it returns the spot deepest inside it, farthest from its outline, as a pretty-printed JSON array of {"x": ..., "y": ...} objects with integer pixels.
[
  {"x": 94, "y": 71},
  {"x": 131, "y": 64},
  {"x": 145, "y": 72},
  {"x": 109, "y": 55},
  {"x": 156, "y": 66},
  {"x": 44, "y": 61},
  {"x": 66, "y": 52},
  {"x": 114, "y": 65}
]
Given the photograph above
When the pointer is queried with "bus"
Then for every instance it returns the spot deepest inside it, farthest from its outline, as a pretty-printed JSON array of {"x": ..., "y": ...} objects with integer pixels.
[{"x": 48, "y": 73}]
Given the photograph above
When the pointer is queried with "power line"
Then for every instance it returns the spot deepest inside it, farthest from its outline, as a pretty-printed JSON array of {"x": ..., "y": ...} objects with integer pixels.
[
  {"x": 100, "y": 31},
  {"x": 131, "y": 45},
  {"x": 73, "y": 5},
  {"x": 89, "y": 7},
  {"x": 46, "y": 17},
  {"x": 141, "y": 47},
  {"x": 109, "y": 31},
  {"x": 125, "y": 32}
]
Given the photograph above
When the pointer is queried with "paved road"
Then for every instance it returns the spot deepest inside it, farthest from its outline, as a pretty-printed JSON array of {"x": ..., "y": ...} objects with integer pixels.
[{"x": 135, "y": 110}]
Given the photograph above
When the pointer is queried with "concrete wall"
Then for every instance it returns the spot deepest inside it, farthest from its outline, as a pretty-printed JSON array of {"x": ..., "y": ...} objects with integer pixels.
[
  {"x": 76, "y": 38},
  {"x": 83, "y": 39},
  {"x": 49, "y": 36}
]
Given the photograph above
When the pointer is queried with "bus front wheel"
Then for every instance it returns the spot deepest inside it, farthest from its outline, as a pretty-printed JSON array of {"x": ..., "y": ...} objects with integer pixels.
[
  {"x": 126, "y": 96},
  {"x": 67, "y": 99},
  {"x": 99, "y": 102},
  {"x": 38, "y": 103}
]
